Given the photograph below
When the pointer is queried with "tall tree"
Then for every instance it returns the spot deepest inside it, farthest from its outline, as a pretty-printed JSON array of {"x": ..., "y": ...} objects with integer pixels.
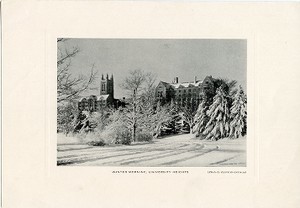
[
  {"x": 137, "y": 87},
  {"x": 218, "y": 125},
  {"x": 69, "y": 87},
  {"x": 238, "y": 125},
  {"x": 201, "y": 119},
  {"x": 228, "y": 87}
]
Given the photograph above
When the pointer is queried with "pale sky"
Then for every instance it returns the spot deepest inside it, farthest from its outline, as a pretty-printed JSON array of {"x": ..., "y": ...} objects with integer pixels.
[{"x": 167, "y": 58}]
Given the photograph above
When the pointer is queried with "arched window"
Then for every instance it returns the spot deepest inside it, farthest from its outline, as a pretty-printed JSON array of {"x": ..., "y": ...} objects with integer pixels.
[{"x": 103, "y": 87}]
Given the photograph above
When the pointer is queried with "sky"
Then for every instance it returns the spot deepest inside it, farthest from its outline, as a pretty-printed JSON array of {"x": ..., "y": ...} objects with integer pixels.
[{"x": 167, "y": 58}]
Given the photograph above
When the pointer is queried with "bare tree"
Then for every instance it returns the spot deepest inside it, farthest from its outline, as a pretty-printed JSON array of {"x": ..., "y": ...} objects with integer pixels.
[
  {"x": 68, "y": 86},
  {"x": 139, "y": 85},
  {"x": 149, "y": 88}
]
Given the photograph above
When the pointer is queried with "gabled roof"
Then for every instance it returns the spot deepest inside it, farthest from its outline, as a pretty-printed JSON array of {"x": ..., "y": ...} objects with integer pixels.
[
  {"x": 187, "y": 84},
  {"x": 102, "y": 97},
  {"x": 164, "y": 83},
  {"x": 81, "y": 99}
]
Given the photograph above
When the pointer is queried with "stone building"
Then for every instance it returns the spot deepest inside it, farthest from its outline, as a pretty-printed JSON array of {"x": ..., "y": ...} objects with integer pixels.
[
  {"x": 183, "y": 93},
  {"x": 103, "y": 100}
]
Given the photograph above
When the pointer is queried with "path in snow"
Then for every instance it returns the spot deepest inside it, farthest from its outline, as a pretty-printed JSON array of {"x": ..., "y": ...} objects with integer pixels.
[{"x": 173, "y": 151}]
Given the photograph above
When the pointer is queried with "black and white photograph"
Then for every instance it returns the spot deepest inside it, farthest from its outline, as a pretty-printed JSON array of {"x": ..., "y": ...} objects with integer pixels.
[
  {"x": 167, "y": 104},
  {"x": 152, "y": 102}
]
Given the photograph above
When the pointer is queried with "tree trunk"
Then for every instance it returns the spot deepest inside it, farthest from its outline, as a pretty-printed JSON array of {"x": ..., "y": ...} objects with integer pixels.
[
  {"x": 191, "y": 127},
  {"x": 134, "y": 117},
  {"x": 134, "y": 132}
]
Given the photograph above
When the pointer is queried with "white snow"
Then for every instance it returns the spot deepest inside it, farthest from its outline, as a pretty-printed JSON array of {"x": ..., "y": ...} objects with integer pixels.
[{"x": 177, "y": 151}]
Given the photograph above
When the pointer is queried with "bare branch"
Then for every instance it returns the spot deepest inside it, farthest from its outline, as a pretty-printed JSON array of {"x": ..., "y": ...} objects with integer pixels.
[
  {"x": 62, "y": 39},
  {"x": 69, "y": 87}
]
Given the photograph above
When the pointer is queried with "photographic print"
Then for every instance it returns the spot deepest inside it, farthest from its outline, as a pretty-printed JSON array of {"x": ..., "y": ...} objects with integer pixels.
[{"x": 152, "y": 102}]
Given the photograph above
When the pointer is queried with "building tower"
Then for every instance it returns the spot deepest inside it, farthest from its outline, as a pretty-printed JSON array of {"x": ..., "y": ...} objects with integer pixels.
[{"x": 107, "y": 86}]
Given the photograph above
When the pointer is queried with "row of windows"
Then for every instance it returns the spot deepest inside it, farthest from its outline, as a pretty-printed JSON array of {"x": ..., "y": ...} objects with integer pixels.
[
  {"x": 188, "y": 95},
  {"x": 91, "y": 106},
  {"x": 183, "y": 99},
  {"x": 184, "y": 102},
  {"x": 86, "y": 102},
  {"x": 188, "y": 99},
  {"x": 159, "y": 94},
  {"x": 187, "y": 90},
  {"x": 91, "y": 103}
]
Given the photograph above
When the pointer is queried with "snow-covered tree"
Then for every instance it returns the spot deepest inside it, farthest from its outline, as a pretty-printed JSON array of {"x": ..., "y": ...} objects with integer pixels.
[
  {"x": 174, "y": 125},
  {"x": 118, "y": 128},
  {"x": 99, "y": 120},
  {"x": 238, "y": 125},
  {"x": 162, "y": 119},
  {"x": 66, "y": 117},
  {"x": 201, "y": 118},
  {"x": 139, "y": 86},
  {"x": 187, "y": 114},
  {"x": 219, "y": 117},
  {"x": 179, "y": 124}
]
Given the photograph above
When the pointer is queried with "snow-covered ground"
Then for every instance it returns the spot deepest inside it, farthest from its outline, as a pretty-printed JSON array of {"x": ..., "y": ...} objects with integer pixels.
[{"x": 172, "y": 151}]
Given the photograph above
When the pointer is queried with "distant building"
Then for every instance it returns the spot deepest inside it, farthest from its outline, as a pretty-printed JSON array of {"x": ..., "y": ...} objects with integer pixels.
[
  {"x": 105, "y": 99},
  {"x": 184, "y": 93}
]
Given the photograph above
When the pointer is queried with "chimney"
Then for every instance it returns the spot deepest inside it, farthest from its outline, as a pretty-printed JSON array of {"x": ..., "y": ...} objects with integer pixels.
[
  {"x": 195, "y": 79},
  {"x": 176, "y": 80}
]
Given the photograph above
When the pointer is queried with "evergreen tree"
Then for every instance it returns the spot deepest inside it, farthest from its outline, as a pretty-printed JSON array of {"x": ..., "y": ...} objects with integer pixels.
[
  {"x": 219, "y": 117},
  {"x": 238, "y": 125},
  {"x": 175, "y": 123},
  {"x": 201, "y": 119}
]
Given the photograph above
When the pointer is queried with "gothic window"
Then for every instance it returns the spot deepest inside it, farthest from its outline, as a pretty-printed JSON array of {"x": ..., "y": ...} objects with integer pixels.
[{"x": 103, "y": 87}]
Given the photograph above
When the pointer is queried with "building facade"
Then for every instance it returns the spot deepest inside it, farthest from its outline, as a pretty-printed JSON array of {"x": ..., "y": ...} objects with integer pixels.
[
  {"x": 184, "y": 93},
  {"x": 103, "y": 100}
]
